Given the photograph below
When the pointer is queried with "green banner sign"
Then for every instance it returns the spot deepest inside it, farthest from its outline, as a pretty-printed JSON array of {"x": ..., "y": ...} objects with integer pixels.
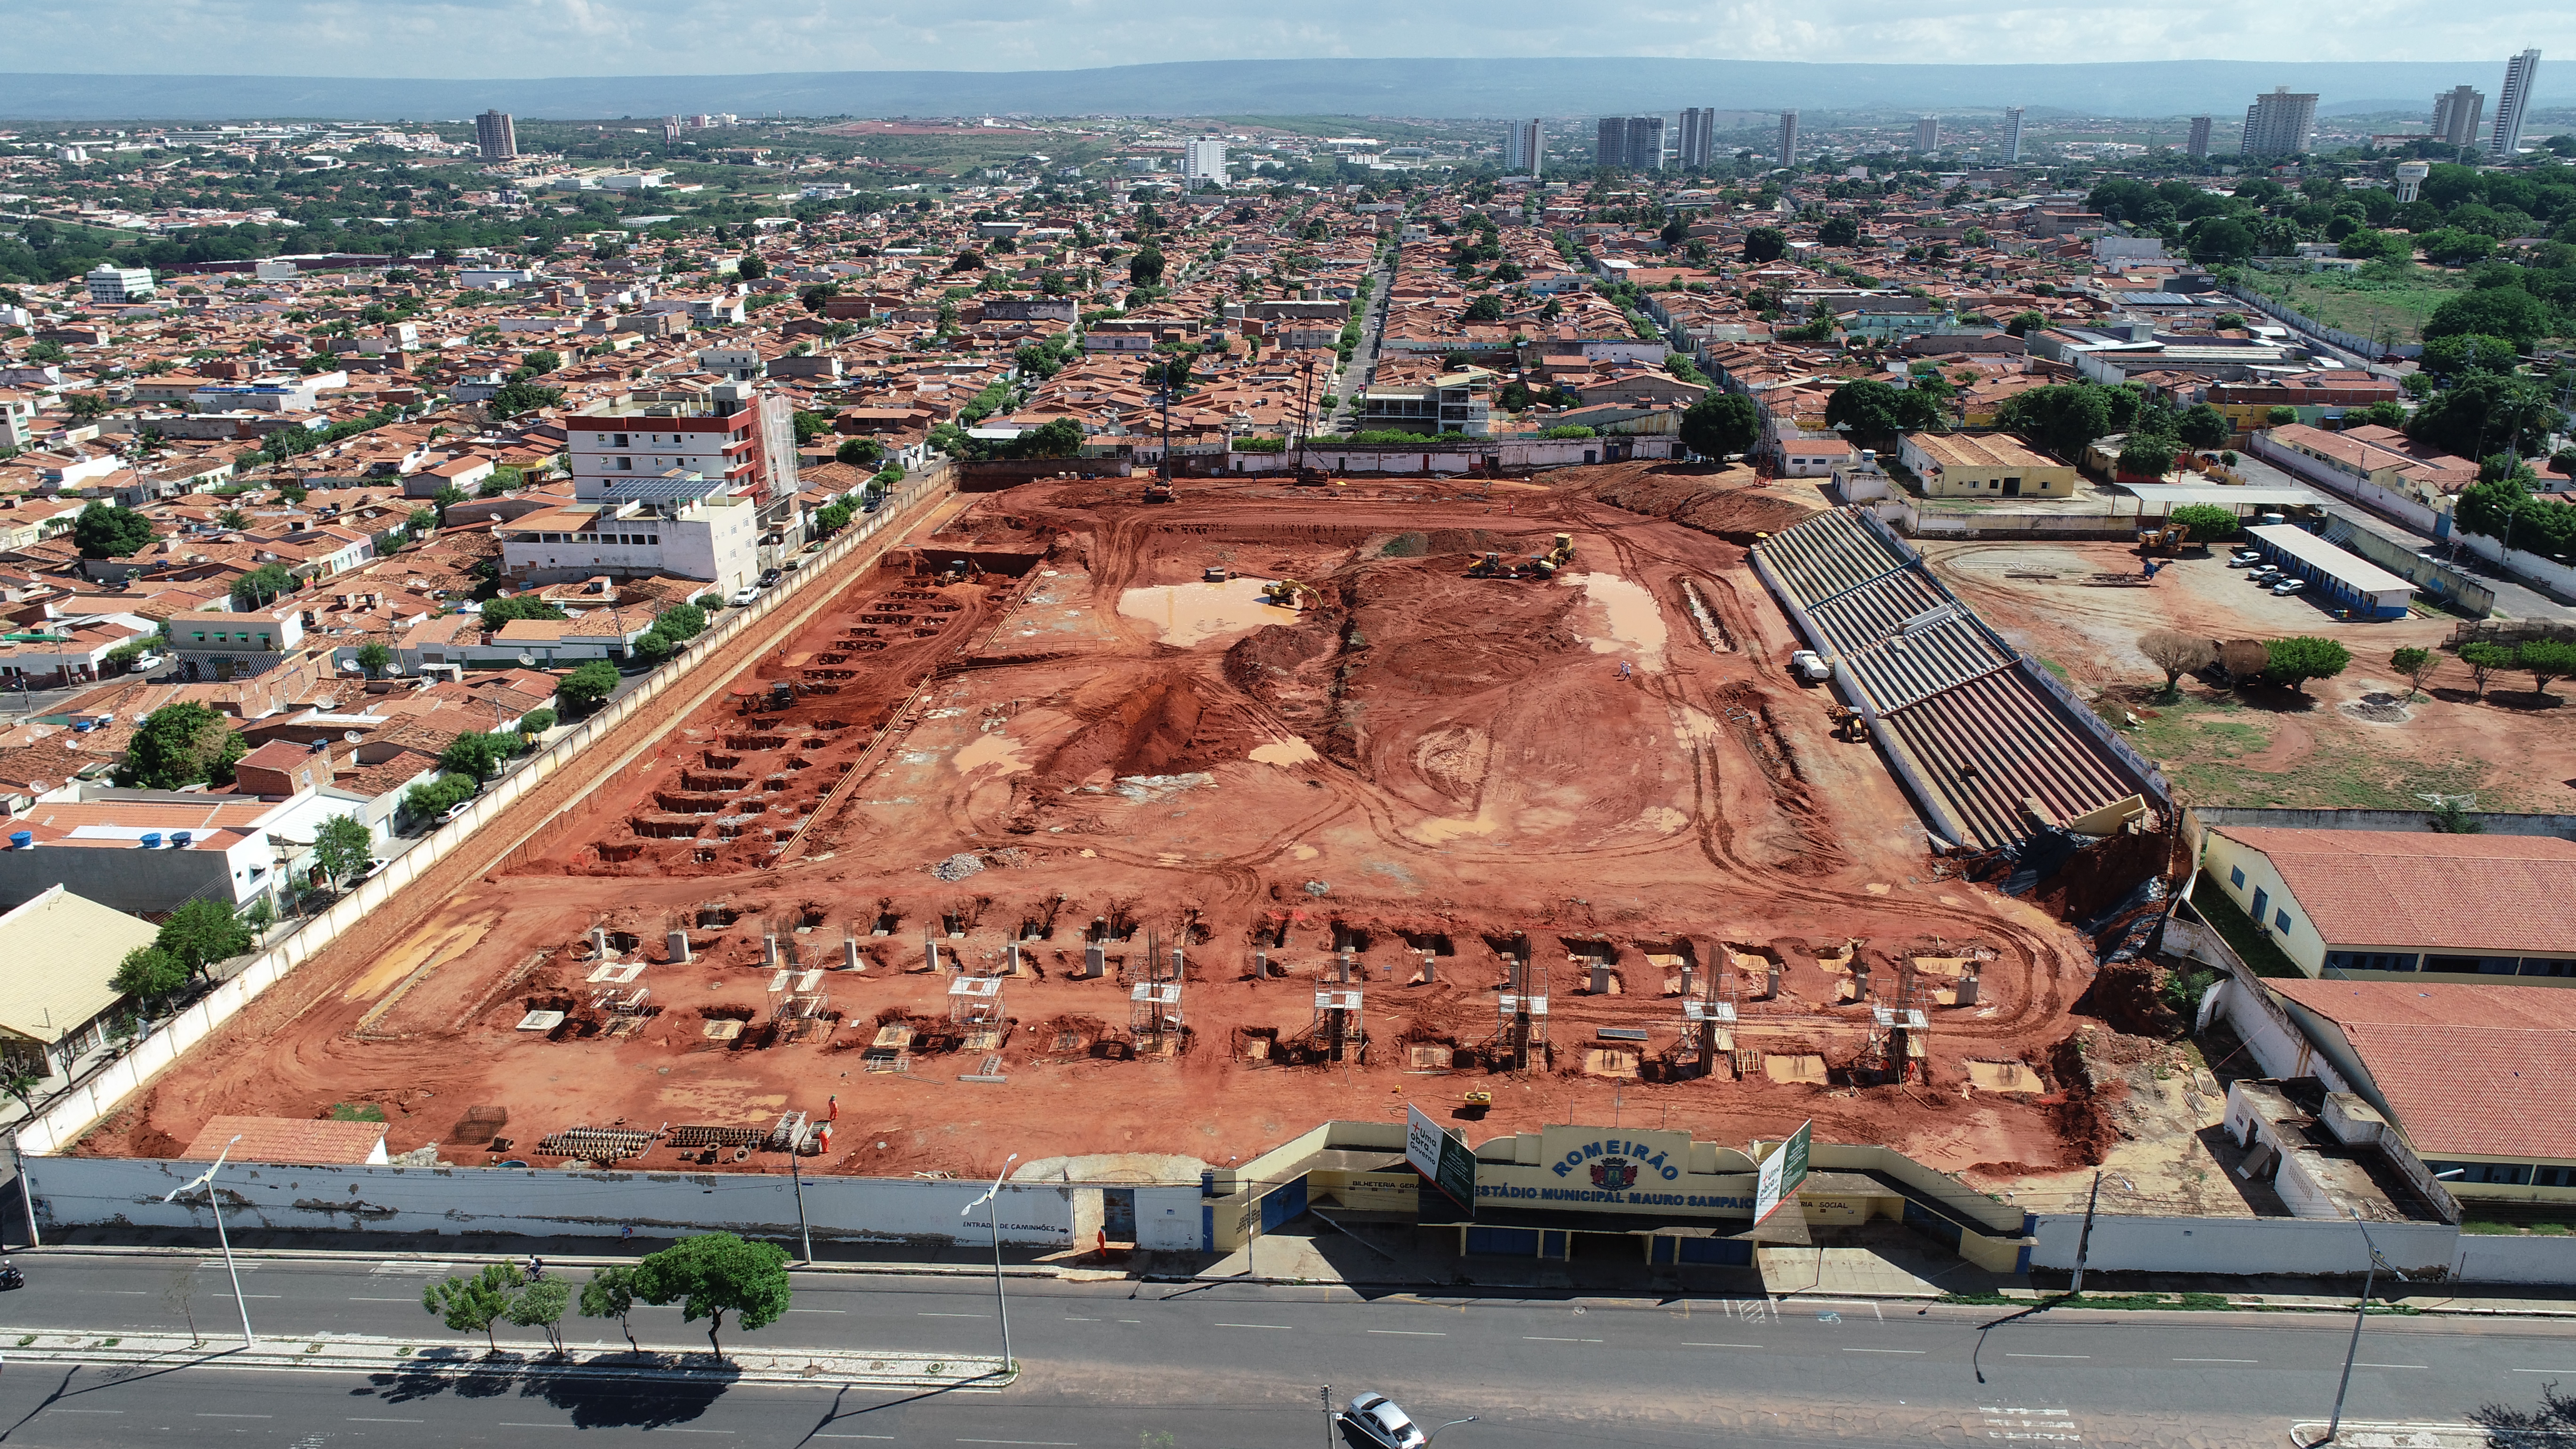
[{"x": 1782, "y": 1172}]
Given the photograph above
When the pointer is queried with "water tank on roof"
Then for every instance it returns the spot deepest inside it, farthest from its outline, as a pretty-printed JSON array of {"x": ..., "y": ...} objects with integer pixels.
[
  {"x": 152, "y": 840},
  {"x": 179, "y": 839},
  {"x": 22, "y": 840}
]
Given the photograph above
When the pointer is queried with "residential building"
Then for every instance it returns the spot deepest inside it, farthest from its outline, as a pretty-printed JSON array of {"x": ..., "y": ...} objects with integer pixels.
[
  {"x": 1451, "y": 403},
  {"x": 2472, "y": 1078},
  {"x": 2282, "y": 123},
  {"x": 2199, "y": 144},
  {"x": 111, "y": 285},
  {"x": 2012, "y": 135},
  {"x": 1610, "y": 143},
  {"x": 209, "y": 644},
  {"x": 56, "y": 990},
  {"x": 2379, "y": 905},
  {"x": 1645, "y": 143},
  {"x": 1788, "y": 138},
  {"x": 153, "y": 850},
  {"x": 495, "y": 137},
  {"x": 1524, "y": 145},
  {"x": 1203, "y": 159},
  {"x": 2513, "y": 103},
  {"x": 678, "y": 523},
  {"x": 730, "y": 434},
  {"x": 1927, "y": 134},
  {"x": 2456, "y": 115},
  {"x": 1986, "y": 465},
  {"x": 1698, "y": 138}
]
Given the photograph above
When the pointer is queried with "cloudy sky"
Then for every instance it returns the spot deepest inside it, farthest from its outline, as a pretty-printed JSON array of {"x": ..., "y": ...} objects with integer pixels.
[{"x": 530, "y": 38}]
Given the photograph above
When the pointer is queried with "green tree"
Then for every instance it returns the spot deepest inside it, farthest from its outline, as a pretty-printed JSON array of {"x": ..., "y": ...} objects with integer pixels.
[
  {"x": 2146, "y": 455},
  {"x": 831, "y": 518},
  {"x": 653, "y": 646},
  {"x": 1721, "y": 424},
  {"x": 202, "y": 932},
  {"x": 2545, "y": 660},
  {"x": 477, "y": 754},
  {"x": 751, "y": 266},
  {"x": 1486, "y": 308},
  {"x": 2220, "y": 239},
  {"x": 2063, "y": 418},
  {"x": 1056, "y": 438},
  {"x": 542, "y": 361},
  {"x": 611, "y": 1293},
  {"x": 472, "y": 1304},
  {"x": 2302, "y": 657},
  {"x": 1839, "y": 230},
  {"x": 809, "y": 425},
  {"x": 342, "y": 847},
  {"x": 713, "y": 1274},
  {"x": 1765, "y": 244},
  {"x": 261, "y": 586},
  {"x": 1878, "y": 410},
  {"x": 233, "y": 518},
  {"x": 541, "y": 1305},
  {"x": 2485, "y": 658},
  {"x": 2507, "y": 312},
  {"x": 109, "y": 530},
  {"x": 519, "y": 396},
  {"x": 536, "y": 722},
  {"x": 497, "y": 612},
  {"x": 180, "y": 744},
  {"x": 2202, "y": 426},
  {"x": 1145, "y": 269},
  {"x": 2416, "y": 664},
  {"x": 587, "y": 685},
  {"x": 2466, "y": 352},
  {"x": 375, "y": 657},
  {"x": 681, "y": 621},
  {"x": 421, "y": 522},
  {"x": 2025, "y": 323},
  {"x": 2209, "y": 522},
  {"x": 150, "y": 975},
  {"x": 2452, "y": 247},
  {"x": 859, "y": 452}
]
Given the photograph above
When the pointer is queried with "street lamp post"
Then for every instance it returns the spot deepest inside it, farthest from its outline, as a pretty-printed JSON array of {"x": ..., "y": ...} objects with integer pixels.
[
  {"x": 2360, "y": 1311},
  {"x": 206, "y": 1180},
  {"x": 1434, "y": 1434},
  {"x": 1001, "y": 1302}
]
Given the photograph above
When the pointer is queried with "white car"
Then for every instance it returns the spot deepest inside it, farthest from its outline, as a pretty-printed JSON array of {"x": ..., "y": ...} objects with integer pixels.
[
  {"x": 1810, "y": 666},
  {"x": 145, "y": 663},
  {"x": 747, "y": 594},
  {"x": 1377, "y": 1417},
  {"x": 2244, "y": 559},
  {"x": 2289, "y": 586}
]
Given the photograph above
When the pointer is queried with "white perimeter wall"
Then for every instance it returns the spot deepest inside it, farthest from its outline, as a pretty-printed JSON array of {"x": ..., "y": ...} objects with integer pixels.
[
  {"x": 2244, "y": 1246},
  {"x": 90, "y": 1190}
]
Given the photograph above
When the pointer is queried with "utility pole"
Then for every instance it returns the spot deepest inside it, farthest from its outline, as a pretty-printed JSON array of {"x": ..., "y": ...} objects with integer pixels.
[
  {"x": 2084, "y": 1240},
  {"x": 1001, "y": 1303},
  {"x": 1328, "y": 1416},
  {"x": 207, "y": 1181},
  {"x": 804, "y": 1234},
  {"x": 2360, "y": 1310}
]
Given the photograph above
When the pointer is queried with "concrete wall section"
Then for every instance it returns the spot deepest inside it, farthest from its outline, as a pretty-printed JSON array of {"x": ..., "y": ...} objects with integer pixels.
[
  {"x": 2242, "y": 1247},
  {"x": 447, "y": 1200},
  {"x": 2489, "y": 1259}
]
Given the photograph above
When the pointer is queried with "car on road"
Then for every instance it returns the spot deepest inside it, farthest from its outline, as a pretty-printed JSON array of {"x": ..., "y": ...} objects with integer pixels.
[
  {"x": 1377, "y": 1417},
  {"x": 747, "y": 594},
  {"x": 145, "y": 663},
  {"x": 769, "y": 578},
  {"x": 456, "y": 812},
  {"x": 2287, "y": 587}
]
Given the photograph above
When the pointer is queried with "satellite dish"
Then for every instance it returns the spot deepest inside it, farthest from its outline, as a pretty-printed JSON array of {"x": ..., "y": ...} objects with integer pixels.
[
  {"x": 528, "y": 660},
  {"x": 350, "y": 737},
  {"x": 494, "y": 517}
]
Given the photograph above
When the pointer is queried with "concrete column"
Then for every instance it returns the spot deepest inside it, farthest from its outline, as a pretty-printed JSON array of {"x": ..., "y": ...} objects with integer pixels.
[
  {"x": 1600, "y": 979},
  {"x": 1968, "y": 988},
  {"x": 931, "y": 948},
  {"x": 1095, "y": 961},
  {"x": 677, "y": 944},
  {"x": 1430, "y": 966},
  {"x": 599, "y": 943},
  {"x": 1260, "y": 964},
  {"x": 850, "y": 953},
  {"x": 769, "y": 952}
]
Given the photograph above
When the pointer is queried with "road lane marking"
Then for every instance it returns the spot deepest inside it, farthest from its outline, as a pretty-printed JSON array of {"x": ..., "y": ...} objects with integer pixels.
[
  {"x": 120, "y": 1292},
  {"x": 415, "y": 1300},
  {"x": 844, "y": 1310},
  {"x": 667, "y": 1429},
  {"x": 1070, "y": 1318},
  {"x": 388, "y": 1421},
  {"x": 1721, "y": 1345},
  {"x": 512, "y": 1424},
  {"x": 1282, "y": 1327},
  {"x": 106, "y": 1411},
  {"x": 1887, "y": 1350},
  {"x": 236, "y": 1416},
  {"x": 2388, "y": 1365},
  {"x": 854, "y": 1436},
  {"x": 2048, "y": 1355},
  {"x": 2253, "y": 1360},
  {"x": 1041, "y": 1443},
  {"x": 1536, "y": 1338},
  {"x": 1410, "y": 1332},
  {"x": 933, "y": 1315},
  {"x": 2545, "y": 1371}
]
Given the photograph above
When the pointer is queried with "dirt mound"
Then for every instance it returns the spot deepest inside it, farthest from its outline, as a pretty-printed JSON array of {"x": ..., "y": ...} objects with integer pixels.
[
  {"x": 1723, "y": 503},
  {"x": 1147, "y": 731}
]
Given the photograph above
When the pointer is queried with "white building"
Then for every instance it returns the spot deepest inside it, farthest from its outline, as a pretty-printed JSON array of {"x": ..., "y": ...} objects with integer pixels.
[
  {"x": 1203, "y": 159},
  {"x": 1523, "y": 146},
  {"x": 119, "y": 284},
  {"x": 2283, "y": 123},
  {"x": 679, "y": 522},
  {"x": 2012, "y": 135},
  {"x": 2520, "y": 74}
]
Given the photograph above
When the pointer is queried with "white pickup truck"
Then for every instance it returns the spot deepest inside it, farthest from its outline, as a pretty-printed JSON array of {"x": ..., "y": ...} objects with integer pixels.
[{"x": 1810, "y": 667}]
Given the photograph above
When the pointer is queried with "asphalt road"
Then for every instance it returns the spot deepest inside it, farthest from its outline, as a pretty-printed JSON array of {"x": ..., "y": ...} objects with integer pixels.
[
  {"x": 1241, "y": 1365},
  {"x": 1356, "y": 377}
]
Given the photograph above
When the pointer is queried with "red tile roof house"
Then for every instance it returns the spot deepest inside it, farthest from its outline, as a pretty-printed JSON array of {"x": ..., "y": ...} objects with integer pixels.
[{"x": 2391, "y": 905}]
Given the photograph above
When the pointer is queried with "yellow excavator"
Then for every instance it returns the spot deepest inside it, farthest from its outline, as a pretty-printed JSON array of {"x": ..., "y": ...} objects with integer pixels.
[{"x": 1287, "y": 593}]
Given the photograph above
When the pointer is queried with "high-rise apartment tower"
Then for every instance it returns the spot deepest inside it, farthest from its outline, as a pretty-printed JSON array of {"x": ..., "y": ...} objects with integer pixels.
[
  {"x": 1699, "y": 138},
  {"x": 2279, "y": 124},
  {"x": 1524, "y": 144},
  {"x": 2456, "y": 114},
  {"x": 2012, "y": 135},
  {"x": 2199, "y": 145},
  {"x": 2520, "y": 74},
  {"x": 1788, "y": 138},
  {"x": 495, "y": 137}
]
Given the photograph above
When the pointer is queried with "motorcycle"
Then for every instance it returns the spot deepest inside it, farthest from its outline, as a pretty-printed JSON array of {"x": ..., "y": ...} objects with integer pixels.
[{"x": 10, "y": 1277}]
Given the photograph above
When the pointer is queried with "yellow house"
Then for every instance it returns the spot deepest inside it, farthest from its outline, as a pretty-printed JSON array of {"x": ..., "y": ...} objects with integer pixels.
[{"x": 1984, "y": 465}]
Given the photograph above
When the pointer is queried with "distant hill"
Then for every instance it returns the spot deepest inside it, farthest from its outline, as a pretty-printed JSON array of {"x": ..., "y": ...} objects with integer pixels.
[{"x": 1424, "y": 88}]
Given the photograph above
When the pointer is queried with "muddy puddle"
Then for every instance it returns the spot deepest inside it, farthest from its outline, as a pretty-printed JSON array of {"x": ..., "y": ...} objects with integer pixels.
[
  {"x": 1188, "y": 615},
  {"x": 1635, "y": 625}
]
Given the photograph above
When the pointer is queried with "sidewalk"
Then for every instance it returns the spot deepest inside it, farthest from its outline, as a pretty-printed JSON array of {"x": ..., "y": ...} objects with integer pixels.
[{"x": 461, "y": 1360}]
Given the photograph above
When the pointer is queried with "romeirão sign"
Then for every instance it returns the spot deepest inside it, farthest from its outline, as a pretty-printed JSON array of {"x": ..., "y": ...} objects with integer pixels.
[{"x": 1598, "y": 1168}]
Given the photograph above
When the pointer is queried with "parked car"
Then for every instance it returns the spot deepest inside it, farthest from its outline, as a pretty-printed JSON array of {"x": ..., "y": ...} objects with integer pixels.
[
  {"x": 2289, "y": 586},
  {"x": 455, "y": 812},
  {"x": 146, "y": 663},
  {"x": 2244, "y": 558},
  {"x": 769, "y": 578},
  {"x": 1376, "y": 1416},
  {"x": 2264, "y": 575},
  {"x": 747, "y": 594}
]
